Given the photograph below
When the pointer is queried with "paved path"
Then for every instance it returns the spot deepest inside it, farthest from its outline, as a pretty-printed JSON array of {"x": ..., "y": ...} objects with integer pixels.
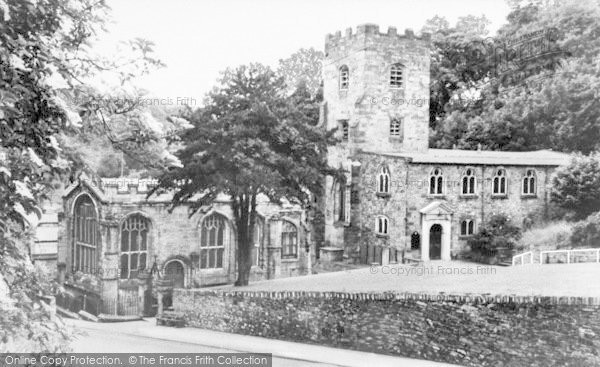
[
  {"x": 453, "y": 277},
  {"x": 146, "y": 337}
]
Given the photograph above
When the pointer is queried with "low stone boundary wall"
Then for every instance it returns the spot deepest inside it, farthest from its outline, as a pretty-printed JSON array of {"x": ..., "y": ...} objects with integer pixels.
[{"x": 472, "y": 330}]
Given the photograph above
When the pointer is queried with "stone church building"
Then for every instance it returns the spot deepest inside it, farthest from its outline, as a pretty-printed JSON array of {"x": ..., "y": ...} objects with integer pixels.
[
  {"x": 115, "y": 243},
  {"x": 398, "y": 195}
]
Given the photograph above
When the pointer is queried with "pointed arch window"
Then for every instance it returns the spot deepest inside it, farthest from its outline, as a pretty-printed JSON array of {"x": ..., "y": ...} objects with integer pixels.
[
  {"x": 344, "y": 77},
  {"x": 469, "y": 182},
  {"x": 381, "y": 225},
  {"x": 396, "y": 75},
  {"x": 213, "y": 237},
  {"x": 529, "y": 183},
  {"x": 134, "y": 245},
  {"x": 499, "y": 182},
  {"x": 86, "y": 238},
  {"x": 289, "y": 241},
  {"x": 383, "y": 181},
  {"x": 467, "y": 227},
  {"x": 436, "y": 182}
]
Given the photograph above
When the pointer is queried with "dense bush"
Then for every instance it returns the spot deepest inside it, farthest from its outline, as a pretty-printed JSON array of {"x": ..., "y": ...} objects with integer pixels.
[
  {"x": 549, "y": 236},
  {"x": 587, "y": 232},
  {"x": 497, "y": 234},
  {"x": 576, "y": 187}
]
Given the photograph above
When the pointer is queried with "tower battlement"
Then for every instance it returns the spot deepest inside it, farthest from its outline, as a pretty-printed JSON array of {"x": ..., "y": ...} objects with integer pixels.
[{"x": 336, "y": 39}]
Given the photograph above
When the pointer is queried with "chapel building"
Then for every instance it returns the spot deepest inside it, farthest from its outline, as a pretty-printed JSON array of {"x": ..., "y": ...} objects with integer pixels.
[{"x": 398, "y": 195}]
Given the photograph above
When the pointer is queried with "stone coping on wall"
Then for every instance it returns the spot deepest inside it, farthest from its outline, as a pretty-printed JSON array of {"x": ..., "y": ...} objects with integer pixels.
[{"x": 400, "y": 296}]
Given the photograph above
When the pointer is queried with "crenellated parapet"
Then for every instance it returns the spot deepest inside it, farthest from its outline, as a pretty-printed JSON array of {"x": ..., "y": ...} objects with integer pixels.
[
  {"x": 371, "y": 31},
  {"x": 125, "y": 185}
]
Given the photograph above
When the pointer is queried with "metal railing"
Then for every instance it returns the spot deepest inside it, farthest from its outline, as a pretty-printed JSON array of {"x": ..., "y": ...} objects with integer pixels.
[{"x": 570, "y": 256}]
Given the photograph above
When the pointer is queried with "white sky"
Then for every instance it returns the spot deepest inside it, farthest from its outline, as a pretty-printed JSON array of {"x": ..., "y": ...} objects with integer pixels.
[{"x": 198, "y": 39}]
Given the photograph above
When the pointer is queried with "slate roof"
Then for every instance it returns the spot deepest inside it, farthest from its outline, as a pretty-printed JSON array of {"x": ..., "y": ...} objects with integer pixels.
[{"x": 488, "y": 157}]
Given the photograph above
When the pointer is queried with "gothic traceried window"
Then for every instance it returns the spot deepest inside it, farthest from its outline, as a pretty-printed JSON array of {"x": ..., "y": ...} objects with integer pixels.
[
  {"x": 344, "y": 77},
  {"x": 529, "y": 183},
  {"x": 213, "y": 236},
  {"x": 85, "y": 236},
  {"x": 499, "y": 182},
  {"x": 289, "y": 241},
  {"x": 396, "y": 77},
  {"x": 436, "y": 182},
  {"x": 383, "y": 181},
  {"x": 134, "y": 245},
  {"x": 468, "y": 182}
]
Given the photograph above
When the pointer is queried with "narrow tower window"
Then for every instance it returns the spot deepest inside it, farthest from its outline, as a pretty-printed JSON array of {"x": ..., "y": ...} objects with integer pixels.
[{"x": 344, "y": 77}]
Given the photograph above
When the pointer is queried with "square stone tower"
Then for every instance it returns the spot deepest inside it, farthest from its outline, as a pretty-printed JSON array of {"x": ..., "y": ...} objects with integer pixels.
[
  {"x": 376, "y": 89},
  {"x": 376, "y": 92}
]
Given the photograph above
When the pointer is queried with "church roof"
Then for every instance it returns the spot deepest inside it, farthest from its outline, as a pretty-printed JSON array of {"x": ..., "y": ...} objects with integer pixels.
[{"x": 460, "y": 156}]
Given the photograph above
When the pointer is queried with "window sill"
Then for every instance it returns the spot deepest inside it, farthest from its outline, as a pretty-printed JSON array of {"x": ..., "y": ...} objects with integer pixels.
[
  {"x": 468, "y": 196},
  {"x": 381, "y": 235},
  {"x": 528, "y": 196},
  {"x": 436, "y": 196},
  {"x": 465, "y": 236},
  {"x": 383, "y": 194},
  {"x": 499, "y": 196}
]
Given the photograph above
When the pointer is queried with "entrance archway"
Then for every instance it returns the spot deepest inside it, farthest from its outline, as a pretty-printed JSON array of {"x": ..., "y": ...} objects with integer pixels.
[
  {"x": 175, "y": 272},
  {"x": 415, "y": 241},
  {"x": 435, "y": 242},
  {"x": 436, "y": 224}
]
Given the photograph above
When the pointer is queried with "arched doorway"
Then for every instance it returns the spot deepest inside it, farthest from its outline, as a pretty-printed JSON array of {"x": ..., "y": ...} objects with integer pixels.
[
  {"x": 175, "y": 272},
  {"x": 435, "y": 242},
  {"x": 415, "y": 241}
]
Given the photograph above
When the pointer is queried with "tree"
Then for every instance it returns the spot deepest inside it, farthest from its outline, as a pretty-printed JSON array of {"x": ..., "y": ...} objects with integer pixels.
[
  {"x": 302, "y": 67},
  {"x": 249, "y": 140},
  {"x": 541, "y": 102},
  {"x": 45, "y": 66},
  {"x": 456, "y": 65},
  {"x": 576, "y": 187}
]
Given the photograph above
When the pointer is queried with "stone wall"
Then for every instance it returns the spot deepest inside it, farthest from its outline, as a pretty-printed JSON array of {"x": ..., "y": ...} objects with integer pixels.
[{"x": 465, "y": 330}]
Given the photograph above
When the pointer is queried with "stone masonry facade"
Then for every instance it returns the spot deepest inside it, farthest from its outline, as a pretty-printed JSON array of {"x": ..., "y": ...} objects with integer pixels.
[
  {"x": 125, "y": 224},
  {"x": 398, "y": 193}
]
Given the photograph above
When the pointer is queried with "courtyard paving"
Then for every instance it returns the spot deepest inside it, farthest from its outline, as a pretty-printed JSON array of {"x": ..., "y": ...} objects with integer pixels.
[{"x": 452, "y": 277}]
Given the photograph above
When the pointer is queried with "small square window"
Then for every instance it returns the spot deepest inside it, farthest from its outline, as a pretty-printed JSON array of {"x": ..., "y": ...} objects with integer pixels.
[
  {"x": 396, "y": 127},
  {"x": 396, "y": 76}
]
